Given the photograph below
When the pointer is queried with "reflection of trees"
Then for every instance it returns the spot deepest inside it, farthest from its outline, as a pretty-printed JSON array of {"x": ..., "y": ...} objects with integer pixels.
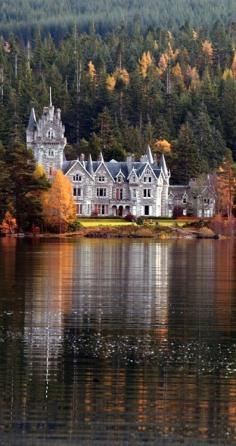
[{"x": 115, "y": 338}]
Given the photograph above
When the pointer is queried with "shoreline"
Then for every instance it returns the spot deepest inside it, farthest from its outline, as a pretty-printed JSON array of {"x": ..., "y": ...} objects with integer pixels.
[{"x": 131, "y": 232}]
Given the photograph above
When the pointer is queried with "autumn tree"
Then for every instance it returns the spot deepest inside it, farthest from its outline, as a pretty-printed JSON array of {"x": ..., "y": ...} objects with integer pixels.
[
  {"x": 8, "y": 225},
  {"x": 59, "y": 209}
]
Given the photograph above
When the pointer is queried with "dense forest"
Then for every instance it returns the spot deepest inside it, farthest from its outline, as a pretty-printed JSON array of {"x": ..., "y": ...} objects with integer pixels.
[
  {"x": 174, "y": 90},
  {"x": 102, "y": 16}
]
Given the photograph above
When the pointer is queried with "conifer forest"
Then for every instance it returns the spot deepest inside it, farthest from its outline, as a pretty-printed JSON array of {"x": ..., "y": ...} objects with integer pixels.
[{"x": 165, "y": 76}]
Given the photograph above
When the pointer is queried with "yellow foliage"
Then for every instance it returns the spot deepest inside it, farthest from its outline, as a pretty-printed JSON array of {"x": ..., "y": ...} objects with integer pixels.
[
  {"x": 162, "y": 145},
  {"x": 39, "y": 172},
  {"x": 193, "y": 75},
  {"x": 233, "y": 66},
  {"x": 121, "y": 74},
  {"x": 170, "y": 54},
  {"x": 144, "y": 63},
  {"x": 207, "y": 49},
  {"x": 163, "y": 64},
  {"x": 58, "y": 205},
  {"x": 155, "y": 45},
  {"x": 110, "y": 82},
  {"x": 8, "y": 225},
  {"x": 91, "y": 71},
  {"x": 227, "y": 74},
  {"x": 177, "y": 72},
  {"x": 195, "y": 35},
  {"x": 170, "y": 35}
]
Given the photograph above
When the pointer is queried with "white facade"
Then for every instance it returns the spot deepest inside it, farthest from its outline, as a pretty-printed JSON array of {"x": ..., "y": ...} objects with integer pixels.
[{"x": 100, "y": 188}]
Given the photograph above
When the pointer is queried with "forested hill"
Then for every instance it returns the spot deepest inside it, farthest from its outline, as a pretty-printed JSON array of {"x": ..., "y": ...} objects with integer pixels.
[{"x": 22, "y": 16}]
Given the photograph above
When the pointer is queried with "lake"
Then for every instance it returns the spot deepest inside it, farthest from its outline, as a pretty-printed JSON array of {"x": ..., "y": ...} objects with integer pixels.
[{"x": 117, "y": 342}]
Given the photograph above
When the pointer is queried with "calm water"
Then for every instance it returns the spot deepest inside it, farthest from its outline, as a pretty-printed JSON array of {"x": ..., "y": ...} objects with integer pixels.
[{"x": 117, "y": 342}]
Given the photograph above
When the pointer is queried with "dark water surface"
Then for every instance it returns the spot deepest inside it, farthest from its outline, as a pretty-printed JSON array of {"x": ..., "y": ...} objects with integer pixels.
[{"x": 117, "y": 342}]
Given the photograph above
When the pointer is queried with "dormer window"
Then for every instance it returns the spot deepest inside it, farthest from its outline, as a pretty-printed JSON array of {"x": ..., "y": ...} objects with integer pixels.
[
  {"x": 77, "y": 177},
  {"x": 119, "y": 179},
  {"x": 101, "y": 179}
]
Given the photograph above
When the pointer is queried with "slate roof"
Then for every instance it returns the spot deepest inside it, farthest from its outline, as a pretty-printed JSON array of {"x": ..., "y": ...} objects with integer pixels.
[
  {"x": 114, "y": 167},
  {"x": 178, "y": 191},
  {"x": 32, "y": 125}
]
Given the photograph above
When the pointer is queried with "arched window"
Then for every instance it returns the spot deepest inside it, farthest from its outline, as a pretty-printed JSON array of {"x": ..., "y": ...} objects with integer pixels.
[{"x": 50, "y": 134}]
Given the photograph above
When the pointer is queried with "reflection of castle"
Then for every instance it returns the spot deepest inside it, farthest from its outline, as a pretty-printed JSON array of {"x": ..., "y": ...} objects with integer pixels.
[
  {"x": 113, "y": 188},
  {"x": 121, "y": 285},
  {"x": 44, "y": 313}
]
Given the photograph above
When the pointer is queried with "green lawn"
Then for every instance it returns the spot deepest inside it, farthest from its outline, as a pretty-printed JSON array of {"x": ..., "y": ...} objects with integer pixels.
[{"x": 96, "y": 222}]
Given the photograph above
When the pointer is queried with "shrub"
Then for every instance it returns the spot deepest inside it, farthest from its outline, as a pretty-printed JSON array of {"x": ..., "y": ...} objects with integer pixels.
[
  {"x": 130, "y": 218},
  {"x": 75, "y": 226},
  {"x": 140, "y": 221}
]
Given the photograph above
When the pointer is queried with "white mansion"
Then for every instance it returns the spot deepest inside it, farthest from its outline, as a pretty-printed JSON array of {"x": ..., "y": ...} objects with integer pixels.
[{"x": 109, "y": 188}]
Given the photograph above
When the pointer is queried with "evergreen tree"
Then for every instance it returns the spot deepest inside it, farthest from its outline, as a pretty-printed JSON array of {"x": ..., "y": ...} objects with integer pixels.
[{"x": 187, "y": 162}]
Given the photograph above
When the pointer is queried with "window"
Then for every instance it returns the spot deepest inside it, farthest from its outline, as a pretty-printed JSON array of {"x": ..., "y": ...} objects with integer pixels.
[
  {"x": 147, "y": 179},
  {"x": 101, "y": 209},
  {"x": 101, "y": 179},
  {"x": 184, "y": 200},
  {"x": 147, "y": 193},
  {"x": 134, "y": 178},
  {"x": 77, "y": 177},
  {"x": 79, "y": 209},
  {"x": 119, "y": 194},
  {"x": 50, "y": 134},
  {"x": 50, "y": 152},
  {"x": 77, "y": 192},
  {"x": 146, "y": 210},
  {"x": 119, "y": 179},
  {"x": 134, "y": 193},
  {"x": 101, "y": 192}
]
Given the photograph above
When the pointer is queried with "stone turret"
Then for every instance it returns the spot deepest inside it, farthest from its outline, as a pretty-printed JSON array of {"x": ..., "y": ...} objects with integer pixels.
[{"x": 46, "y": 137}]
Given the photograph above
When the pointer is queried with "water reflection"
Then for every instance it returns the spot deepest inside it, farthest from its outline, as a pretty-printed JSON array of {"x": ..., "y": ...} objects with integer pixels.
[{"x": 117, "y": 342}]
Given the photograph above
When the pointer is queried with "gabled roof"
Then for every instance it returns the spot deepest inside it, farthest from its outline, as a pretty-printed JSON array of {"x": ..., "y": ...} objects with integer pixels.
[
  {"x": 115, "y": 168},
  {"x": 68, "y": 165}
]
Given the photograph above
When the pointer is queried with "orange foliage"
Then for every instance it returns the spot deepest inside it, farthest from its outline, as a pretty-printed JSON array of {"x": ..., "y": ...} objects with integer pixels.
[
  {"x": 110, "y": 82},
  {"x": 207, "y": 49},
  {"x": 162, "y": 145},
  {"x": 8, "y": 225},
  {"x": 121, "y": 74},
  {"x": 144, "y": 63},
  {"x": 58, "y": 205}
]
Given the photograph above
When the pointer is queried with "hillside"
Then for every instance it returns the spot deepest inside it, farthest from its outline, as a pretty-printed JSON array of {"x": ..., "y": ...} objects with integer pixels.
[{"x": 103, "y": 15}]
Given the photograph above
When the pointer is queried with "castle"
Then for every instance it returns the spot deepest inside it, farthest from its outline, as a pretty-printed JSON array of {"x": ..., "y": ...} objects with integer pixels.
[{"x": 112, "y": 188}]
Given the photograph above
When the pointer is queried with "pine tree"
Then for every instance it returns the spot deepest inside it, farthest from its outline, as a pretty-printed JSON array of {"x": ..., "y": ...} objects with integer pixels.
[{"x": 187, "y": 162}]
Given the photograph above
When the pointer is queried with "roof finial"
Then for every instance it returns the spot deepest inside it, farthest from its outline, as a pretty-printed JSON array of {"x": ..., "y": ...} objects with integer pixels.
[{"x": 50, "y": 89}]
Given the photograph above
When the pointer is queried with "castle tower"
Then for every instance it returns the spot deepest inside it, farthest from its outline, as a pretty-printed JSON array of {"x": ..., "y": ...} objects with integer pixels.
[{"x": 46, "y": 138}]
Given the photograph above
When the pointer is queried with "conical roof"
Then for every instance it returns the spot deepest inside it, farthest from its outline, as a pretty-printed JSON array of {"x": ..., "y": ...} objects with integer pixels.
[
  {"x": 149, "y": 155},
  {"x": 163, "y": 165},
  {"x": 32, "y": 125},
  {"x": 90, "y": 165}
]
